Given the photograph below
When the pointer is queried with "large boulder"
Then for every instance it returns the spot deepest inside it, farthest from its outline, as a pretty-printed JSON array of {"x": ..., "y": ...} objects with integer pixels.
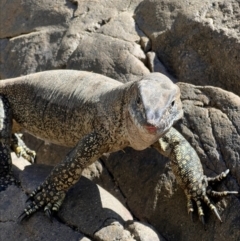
[
  {"x": 198, "y": 41},
  {"x": 211, "y": 125},
  {"x": 88, "y": 211},
  {"x": 78, "y": 35},
  {"x": 190, "y": 41},
  {"x": 35, "y": 229}
]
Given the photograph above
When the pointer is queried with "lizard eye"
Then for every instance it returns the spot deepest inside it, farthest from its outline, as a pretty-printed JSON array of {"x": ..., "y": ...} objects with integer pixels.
[{"x": 138, "y": 100}]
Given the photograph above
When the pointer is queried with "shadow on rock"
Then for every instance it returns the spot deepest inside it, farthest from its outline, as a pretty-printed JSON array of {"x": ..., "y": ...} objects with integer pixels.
[{"x": 87, "y": 207}]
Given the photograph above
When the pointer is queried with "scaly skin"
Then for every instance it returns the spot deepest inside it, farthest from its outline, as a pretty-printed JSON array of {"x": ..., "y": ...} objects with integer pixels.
[
  {"x": 188, "y": 170},
  {"x": 6, "y": 177},
  {"x": 20, "y": 148},
  {"x": 92, "y": 114}
]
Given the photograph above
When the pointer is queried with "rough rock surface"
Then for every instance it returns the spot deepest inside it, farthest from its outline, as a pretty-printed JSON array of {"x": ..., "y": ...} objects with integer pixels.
[
  {"x": 87, "y": 207},
  {"x": 88, "y": 210},
  {"x": 73, "y": 36},
  {"x": 211, "y": 125},
  {"x": 11, "y": 202},
  {"x": 196, "y": 42}
]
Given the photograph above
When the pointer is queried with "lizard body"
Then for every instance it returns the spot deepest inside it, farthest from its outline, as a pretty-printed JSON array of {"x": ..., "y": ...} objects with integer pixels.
[
  {"x": 91, "y": 113},
  {"x": 94, "y": 114},
  {"x": 64, "y": 106}
]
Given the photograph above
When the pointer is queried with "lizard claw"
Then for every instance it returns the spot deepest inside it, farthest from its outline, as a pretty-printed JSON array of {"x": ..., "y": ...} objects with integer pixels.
[
  {"x": 203, "y": 222},
  {"x": 199, "y": 191},
  {"x": 48, "y": 213},
  {"x": 22, "y": 216},
  {"x": 217, "y": 214},
  {"x": 45, "y": 197},
  {"x": 30, "y": 198},
  {"x": 191, "y": 216},
  {"x": 20, "y": 148}
]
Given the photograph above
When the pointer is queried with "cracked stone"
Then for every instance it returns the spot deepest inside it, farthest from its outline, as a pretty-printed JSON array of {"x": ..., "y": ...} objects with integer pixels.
[
  {"x": 122, "y": 27},
  {"x": 19, "y": 17},
  {"x": 143, "y": 232},
  {"x": 114, "y": 58},
  {"x": 114, "y": 231},
  {"x": 211, "y": 125},
  {"x": 12, "y": 203},
  {"x": 155, "y": 65},
  {"x": 193, "y": 48},
  {"x": 197, "y": 42},
  {"x": 86, "y": 206}
]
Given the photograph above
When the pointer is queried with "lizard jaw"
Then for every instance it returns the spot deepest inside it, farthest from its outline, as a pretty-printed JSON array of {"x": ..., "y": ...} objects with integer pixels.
[{"x": 151, "y": 129}]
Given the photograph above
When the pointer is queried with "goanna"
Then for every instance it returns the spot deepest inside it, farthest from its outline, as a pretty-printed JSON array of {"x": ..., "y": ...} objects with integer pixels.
[{"x": 92, "y": 114}]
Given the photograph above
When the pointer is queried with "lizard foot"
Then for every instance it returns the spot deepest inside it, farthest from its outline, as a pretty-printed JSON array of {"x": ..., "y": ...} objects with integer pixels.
[
  {"x": 20, "y": 148},
  {"x": 199, "y": 191},
  {"x": 43, "y": 197}
]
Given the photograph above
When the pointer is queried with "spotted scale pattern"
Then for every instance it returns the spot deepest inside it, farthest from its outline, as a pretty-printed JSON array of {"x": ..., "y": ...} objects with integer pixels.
[
  {"x": 90, "y": 113},
  {"x": 6, "y": 176},
  {"x": 189, "y": 174},
  {"x": 20, "y": 148},
  {"x": 51, "y": 193}
]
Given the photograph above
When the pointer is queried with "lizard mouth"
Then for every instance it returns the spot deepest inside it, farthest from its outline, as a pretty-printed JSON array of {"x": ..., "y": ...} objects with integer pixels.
[{"x": 151, "y": 129}]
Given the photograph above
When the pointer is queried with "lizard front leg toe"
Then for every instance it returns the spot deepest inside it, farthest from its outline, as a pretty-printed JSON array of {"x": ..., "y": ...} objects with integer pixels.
[
  {"x": 200, "y": 190},
  {"x": 190, "y": 206},
  {"x": 50, "y": 200},
  {"x": 48, "y": 211},
  {"x": 219, "y": 178},
  {"x": 220, "y": 194},
  {"x": 50, "y": 208},
  {"x": 20, "y": 148},
  {"x": 30, "y": 209},
  {"x": 212, "y": 207},
  {"x": 200, "y": 211}
]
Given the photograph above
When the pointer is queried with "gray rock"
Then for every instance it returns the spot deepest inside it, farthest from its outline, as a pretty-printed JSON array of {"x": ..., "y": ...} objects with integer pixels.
[
  {"x": 118, "y": 59},
  {"x": 122, "y": 27},
  {"x": 198, "y": 41},
  {"x": 47, "y": 153},
  {"x": 12, "y": 202},
  {"x": 144, "y": 232},
  {"x": 113, "y": 231},
  {"x": 29, "y": 53},
  {"x": 211, "y": 125},
  {"x": 86, "y": 207},
  {"x": 96, "y": 37},
  {"x": 22, "y": 18},
  {"x": 155, "y": 65}
]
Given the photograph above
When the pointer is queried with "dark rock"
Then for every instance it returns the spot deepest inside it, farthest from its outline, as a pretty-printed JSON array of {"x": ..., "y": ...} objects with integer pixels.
[
  {"x": 198, "y": 42},
  {"x": 211, "y": 125},
  {"x": 86, "y": 207},
  {"x": 36, "y": 228}
]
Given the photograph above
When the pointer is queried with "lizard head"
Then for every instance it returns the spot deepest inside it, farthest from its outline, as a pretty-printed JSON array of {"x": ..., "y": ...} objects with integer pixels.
[{"x": 155, "y": 107}]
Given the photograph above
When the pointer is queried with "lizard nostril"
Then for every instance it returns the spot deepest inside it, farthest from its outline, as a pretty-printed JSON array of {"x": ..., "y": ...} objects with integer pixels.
[{"x": 173, "y": 103}]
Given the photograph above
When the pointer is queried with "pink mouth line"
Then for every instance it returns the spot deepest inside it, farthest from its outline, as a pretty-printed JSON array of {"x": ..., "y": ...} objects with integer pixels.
[{"x": 151, "y": 129}]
